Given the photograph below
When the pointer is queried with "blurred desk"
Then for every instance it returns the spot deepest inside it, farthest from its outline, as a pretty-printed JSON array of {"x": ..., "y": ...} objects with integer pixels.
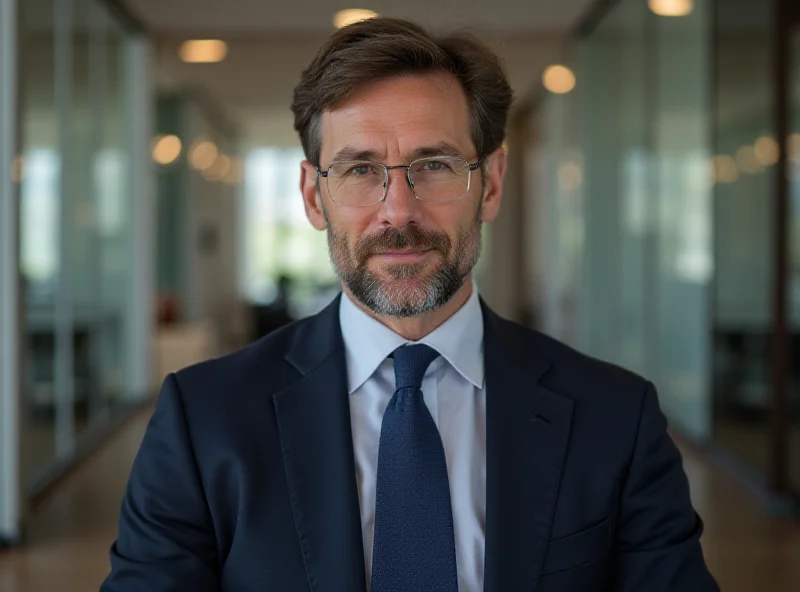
[{"x": 181, "y": 345}]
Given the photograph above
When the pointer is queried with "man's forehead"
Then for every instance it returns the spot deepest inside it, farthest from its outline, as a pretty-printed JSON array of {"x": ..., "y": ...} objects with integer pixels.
[
  {"x": 408, "y": 116},
  {"x": 337, "y": 147}
]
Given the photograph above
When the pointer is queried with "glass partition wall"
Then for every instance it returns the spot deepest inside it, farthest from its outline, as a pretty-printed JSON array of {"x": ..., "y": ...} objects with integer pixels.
[
  {"x": 76, "y": 227},
  {"x": 622, "y": 196},
  {"x": 745, "y": 155},
  {"x": 657, "y": 190},
  {"x": 10, "y": 490}
]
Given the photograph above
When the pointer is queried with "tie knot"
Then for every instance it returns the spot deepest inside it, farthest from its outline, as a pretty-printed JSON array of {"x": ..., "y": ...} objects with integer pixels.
[{"x": 410, "y": 364}]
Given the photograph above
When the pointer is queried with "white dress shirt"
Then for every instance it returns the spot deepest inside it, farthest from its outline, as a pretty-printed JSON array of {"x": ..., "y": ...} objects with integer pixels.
[{"x": 455, "y": 394}]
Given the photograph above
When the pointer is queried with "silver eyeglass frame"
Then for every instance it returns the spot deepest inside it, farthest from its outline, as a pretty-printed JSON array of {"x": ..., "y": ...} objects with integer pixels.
[{"x": 386, "y": 168}]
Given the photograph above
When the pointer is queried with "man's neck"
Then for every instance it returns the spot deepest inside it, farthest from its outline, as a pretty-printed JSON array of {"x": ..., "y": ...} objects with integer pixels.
[{"x": 415, "y": 328}]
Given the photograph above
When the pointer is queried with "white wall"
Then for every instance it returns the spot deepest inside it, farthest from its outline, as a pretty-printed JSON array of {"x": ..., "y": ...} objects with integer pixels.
[{"x": 211, "y": 207}]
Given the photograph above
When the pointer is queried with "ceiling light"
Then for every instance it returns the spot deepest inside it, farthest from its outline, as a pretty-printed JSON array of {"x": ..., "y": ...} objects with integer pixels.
[
  {"x": 767, "y": 151},
  {"x": 794, "y": 146},
  {"x": 203, "y": 155},
  {"x": 725, "y": 169},
  {"x": 17, "y": 169},
  {"x": 346, "y": 17},
  {"x": 218, "y": 170},
  {"x": 748, "y": 160},
  {"x": 203, "y": 51},
  {"x": 559, "y": 79},
  {"x": 235, "y": 172},
  {"x": 570, "y": 176},
  {"x": 166, "y": 149},
  {"x": 672, "y": 7}
]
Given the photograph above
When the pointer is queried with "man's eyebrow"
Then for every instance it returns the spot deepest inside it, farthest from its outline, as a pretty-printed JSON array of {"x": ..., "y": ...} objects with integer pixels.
[
  {"x": 349, "y": 153},
  {"x": 440, "y": 149}
]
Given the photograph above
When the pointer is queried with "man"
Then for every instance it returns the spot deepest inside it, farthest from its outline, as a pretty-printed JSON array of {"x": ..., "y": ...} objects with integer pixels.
[{"x": 406, "y": 438}]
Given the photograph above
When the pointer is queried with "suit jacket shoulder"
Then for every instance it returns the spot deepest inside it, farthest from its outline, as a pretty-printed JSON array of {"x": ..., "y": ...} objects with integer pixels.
[{"x": 569, "y": 371}]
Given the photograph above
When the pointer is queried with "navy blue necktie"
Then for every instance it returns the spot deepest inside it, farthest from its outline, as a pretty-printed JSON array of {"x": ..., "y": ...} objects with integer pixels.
[{"x": 414, "y": 545}]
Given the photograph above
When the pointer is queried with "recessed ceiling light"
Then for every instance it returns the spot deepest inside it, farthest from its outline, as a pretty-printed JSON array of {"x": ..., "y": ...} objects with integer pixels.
[
  {"x": 349, "y": 16},
  {"x": 235, "y": 173},
  {"x": 570, "y": 176},
  {"x": 166, "y": 149},
  {"x": 725, "y": 169},
  {"x": 559, "y": 79},
  {"x": 767, "y": 151},
  {"x": 17, "y": 169},
  {"x": 218, "y": 170},
  {"x": 672, "y": 7},
  {"x": 748, "y": 161},
  {"x": 203, "y": 51},
  {"x": 202, "y": 155},
  {"x": 794, "y": 146}
]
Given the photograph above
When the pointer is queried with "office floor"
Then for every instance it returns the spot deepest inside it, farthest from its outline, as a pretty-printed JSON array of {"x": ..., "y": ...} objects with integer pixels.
[{"x": 70, "y": 534}]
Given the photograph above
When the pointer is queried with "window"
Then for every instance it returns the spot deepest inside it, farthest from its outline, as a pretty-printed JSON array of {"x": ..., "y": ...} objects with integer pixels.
[{"x": 277, "y": 239}]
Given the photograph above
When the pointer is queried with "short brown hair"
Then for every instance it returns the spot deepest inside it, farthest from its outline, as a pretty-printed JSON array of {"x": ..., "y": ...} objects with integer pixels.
[{"x": 381, "y": 48}]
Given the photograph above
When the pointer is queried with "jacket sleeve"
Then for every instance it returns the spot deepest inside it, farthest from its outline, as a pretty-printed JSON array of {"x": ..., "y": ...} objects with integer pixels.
[
  {"x": 166, "y": 538},
  {"x": 658, "y": 535}
]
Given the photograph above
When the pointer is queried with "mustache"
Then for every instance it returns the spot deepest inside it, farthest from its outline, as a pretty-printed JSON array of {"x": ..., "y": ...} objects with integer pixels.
[{"x": 408, "y": 237}]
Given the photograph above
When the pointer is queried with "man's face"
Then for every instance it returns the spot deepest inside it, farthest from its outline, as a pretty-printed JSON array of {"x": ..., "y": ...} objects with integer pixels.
[{"x": 403, "y": 257}]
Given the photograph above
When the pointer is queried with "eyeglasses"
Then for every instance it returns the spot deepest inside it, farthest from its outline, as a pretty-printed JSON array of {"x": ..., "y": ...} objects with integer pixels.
[{"x": 361, "y": 183}]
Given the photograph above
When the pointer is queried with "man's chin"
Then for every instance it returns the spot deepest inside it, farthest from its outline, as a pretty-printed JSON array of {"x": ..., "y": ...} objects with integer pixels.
[
  {"x": 401, "y": 305},
  {"x": 408, "y": 273}
]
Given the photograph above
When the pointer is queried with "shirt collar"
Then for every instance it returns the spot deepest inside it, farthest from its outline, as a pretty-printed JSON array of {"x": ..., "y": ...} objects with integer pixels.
[{"x": 368, "y": 342}]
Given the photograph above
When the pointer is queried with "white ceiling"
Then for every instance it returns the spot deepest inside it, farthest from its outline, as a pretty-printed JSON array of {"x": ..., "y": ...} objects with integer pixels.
[
  {"x": 270, "y": 16},
  {"x": 271, "y": 42},
  {"x": 254, "y": 84}
]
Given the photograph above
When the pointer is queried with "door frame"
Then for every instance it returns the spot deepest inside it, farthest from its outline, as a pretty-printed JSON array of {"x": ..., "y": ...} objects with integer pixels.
[{"x": 786, "y": 22}]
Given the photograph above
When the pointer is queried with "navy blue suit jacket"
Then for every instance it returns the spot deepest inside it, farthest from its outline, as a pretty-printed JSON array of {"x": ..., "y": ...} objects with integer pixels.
[{"x": 246, "y": 481}]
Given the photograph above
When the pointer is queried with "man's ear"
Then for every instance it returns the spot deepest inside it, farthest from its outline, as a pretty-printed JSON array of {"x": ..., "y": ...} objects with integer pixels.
[
  {"x": 495, "y": 172},
  {"x": 312, "y": 198}
]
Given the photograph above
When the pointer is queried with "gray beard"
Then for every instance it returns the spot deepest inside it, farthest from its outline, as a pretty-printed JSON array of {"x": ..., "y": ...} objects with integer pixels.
[
  {"x": 404, "y": 301},
  {"x": 407, "y": 298}
]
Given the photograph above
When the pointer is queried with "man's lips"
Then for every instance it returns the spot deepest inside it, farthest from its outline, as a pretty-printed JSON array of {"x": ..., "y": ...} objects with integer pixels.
[{"x": 403, "y": 254}]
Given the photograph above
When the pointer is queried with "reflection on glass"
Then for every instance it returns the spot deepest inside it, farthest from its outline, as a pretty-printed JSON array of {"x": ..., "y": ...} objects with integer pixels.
[
  {"x": 74, "y": 237},
  {"x": 624, "y": 222},
  {"x": 100, "y": 228},
  {"x": 40, "y": 211},
  {"x": 613, "y": 137},
  {"x": 743, "y": 197},
  {"x": 682, "y": 259}
]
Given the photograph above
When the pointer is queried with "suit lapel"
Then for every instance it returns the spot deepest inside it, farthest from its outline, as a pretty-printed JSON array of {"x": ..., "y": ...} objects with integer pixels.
[
  {"x": 527, "y": 431},
  {"x": 313, "y": 417}
]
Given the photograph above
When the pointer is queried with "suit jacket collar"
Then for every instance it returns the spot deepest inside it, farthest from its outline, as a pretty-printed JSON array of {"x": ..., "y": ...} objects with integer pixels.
[
  {"x": 316, "y": 339},
  {"x": 527, "y": 429}
]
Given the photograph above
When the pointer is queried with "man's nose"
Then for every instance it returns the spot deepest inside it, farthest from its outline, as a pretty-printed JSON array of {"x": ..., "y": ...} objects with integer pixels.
[{"x": 401, "y": 206}]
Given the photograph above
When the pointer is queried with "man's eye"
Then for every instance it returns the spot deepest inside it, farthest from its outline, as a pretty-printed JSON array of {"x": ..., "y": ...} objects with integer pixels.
[
  {"x": 360, "y": 170},
  {"x": 435, "y": 166}
]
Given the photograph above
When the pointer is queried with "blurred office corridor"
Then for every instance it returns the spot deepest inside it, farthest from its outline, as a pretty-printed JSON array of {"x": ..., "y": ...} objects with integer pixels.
[
  {"x": 150, "y": 218},
  {"x": 71, "y": 532}
]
